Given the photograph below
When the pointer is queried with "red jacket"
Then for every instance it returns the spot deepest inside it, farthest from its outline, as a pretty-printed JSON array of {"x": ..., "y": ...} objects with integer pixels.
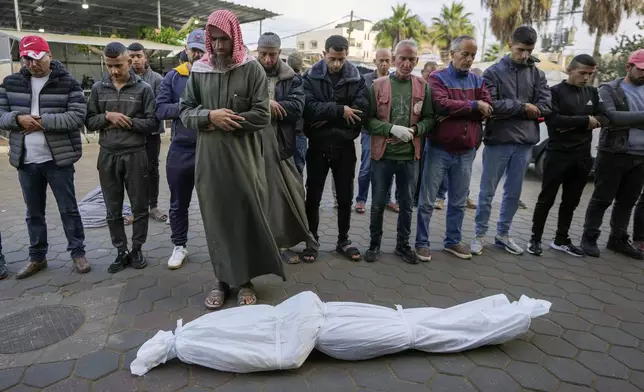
[{"x": 455, "y": 94}]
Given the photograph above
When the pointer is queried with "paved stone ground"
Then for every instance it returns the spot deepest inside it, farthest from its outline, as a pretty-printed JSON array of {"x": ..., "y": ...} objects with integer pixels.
[{"x": 592, "y": 340}]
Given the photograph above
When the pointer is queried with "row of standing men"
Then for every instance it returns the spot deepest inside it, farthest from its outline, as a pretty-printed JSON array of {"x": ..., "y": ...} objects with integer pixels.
[{"x": 229, "y": 101}]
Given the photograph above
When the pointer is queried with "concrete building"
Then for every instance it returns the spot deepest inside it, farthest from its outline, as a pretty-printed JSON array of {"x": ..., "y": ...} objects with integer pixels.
[{"x": 362, "y": 42}]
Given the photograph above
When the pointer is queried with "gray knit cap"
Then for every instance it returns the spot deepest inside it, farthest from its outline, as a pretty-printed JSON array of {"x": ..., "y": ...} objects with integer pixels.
[{"x": 269, "y": 40}]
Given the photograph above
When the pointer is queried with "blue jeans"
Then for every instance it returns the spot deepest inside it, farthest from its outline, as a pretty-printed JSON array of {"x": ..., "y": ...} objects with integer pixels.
[
  {"x": 382, "y": 174},
  {"x": 442, "y": 191},
  {"x": 364, "y": 176},
  {"x": 34, "y": 179},
  {"x": 300, "y": 153},
  {"x": 511, "y": 160},
  {"x": 458, "y": 169}
]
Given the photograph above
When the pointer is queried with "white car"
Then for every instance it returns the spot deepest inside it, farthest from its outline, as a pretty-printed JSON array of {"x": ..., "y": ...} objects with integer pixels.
[{"x": 538, "y": 151}]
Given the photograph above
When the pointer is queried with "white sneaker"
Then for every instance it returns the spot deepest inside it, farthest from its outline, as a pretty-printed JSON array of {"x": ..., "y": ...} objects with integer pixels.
[
  {"x": 476, "y": 247},
  {"x": 179, "y": 255},
  {"x": 167, "y": 221},
  {"x": 506, "y": 242}
]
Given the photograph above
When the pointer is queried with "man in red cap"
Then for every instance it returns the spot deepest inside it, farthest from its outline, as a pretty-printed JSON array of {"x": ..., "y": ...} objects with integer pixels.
[
  {"x": 44, "y": 108},
  {"x": 619, "y": 169},
  {"x": 226, "y": 101}
]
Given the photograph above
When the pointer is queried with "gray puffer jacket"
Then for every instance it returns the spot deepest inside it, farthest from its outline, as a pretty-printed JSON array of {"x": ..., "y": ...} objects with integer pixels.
[
  {"x": 62, "y": 110},
  {"x": 512, "y": 86}
]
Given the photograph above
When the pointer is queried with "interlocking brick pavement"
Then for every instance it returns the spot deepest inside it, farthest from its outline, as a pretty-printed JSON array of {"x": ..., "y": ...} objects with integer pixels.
[{"x": 592, "y": 340}]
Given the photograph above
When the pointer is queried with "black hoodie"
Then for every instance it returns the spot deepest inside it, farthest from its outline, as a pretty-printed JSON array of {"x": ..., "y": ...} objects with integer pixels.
[{"x": 568, "y": 123}]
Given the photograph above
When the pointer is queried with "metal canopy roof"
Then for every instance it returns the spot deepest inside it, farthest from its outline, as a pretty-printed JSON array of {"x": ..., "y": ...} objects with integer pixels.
[
  {"x": 122, "y": 17},
  {"x": 94, "y": 41}
]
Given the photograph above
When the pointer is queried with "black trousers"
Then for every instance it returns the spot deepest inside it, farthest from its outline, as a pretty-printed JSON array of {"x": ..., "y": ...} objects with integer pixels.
[
  {"x": 153, "y": 148},
  {"x": 570, "y": 173},
  {"x": 341, "y": 160},
  {"x": 118, "y": 173},
  {"x": 618, "y": 177}
]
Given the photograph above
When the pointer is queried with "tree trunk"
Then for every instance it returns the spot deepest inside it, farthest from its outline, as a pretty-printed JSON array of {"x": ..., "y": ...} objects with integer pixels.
[{"x": 598, "y": 42}]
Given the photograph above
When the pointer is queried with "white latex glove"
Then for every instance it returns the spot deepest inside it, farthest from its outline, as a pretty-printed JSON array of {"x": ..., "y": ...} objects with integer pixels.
[{"x": 403, "y": 133}]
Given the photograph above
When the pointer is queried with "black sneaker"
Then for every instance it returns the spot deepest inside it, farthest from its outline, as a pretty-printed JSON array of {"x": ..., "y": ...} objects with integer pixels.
[
  {"x": 138, "y": 260},
  {"x": 589, "y": 247},
  {"x": 372, "y": 254},
  {"x": 522, "y": 205},
  {"x": 625, "y": 247},
  {"x": 568, "y": 247},
  {"x": 534, "y": 247},
  {"x": 122, "y": 260},
  {"x": 4, "y": 271},
  {"x": 407, "y": 254}
]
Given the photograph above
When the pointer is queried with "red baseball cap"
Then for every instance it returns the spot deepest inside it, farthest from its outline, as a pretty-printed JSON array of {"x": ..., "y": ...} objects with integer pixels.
[
  {"x": 34, "y": 47},
  {"x": 637, "y": 58}
]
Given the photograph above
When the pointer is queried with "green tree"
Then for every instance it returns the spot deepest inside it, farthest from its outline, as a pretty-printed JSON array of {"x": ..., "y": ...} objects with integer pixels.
[
  {"x": 603, "y": 17},
  {"x": 452, "y": 23},
  {"x": 400, "y": 26},
  {"x": 492, "y": 53},
  {"x": 166, "y": 35},
  {"x": 614, "y": 66},
  {"x": 507, "y": 15}
]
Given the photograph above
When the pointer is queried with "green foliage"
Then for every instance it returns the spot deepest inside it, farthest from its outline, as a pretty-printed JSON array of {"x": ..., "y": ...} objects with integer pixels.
[
  {"x": 167, "y": 35},
  {"x": 452, "y": 23},
  {"x": 613, "y": 66},
  {"x": 400, "y": 26},
  {"x": 492, "y": 53}
]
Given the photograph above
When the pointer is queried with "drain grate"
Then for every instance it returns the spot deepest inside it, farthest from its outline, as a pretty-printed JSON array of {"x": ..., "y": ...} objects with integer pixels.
[{"x": 38, "y": 327}]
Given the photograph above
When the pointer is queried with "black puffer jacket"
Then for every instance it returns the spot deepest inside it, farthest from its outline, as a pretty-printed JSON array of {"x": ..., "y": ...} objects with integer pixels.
[
  {"x": 62, "y": 110},
  {"x": 324, "y": 102}
]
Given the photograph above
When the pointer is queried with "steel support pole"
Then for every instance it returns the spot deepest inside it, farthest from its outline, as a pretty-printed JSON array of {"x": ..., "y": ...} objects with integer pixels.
[{"x": 16, "y": 10}]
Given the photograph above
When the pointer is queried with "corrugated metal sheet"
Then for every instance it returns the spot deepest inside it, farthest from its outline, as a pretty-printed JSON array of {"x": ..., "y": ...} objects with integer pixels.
[{"x": 82, "y": 40}]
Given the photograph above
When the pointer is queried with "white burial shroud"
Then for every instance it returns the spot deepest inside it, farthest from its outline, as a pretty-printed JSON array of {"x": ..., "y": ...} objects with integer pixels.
[{"x": 262, "y": 337}]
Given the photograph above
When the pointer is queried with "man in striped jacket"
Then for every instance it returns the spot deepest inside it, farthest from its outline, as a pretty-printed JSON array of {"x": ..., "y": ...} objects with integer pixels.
[
  {"x": 461, "y": 101},
  {"x": 44, "y": 108}
]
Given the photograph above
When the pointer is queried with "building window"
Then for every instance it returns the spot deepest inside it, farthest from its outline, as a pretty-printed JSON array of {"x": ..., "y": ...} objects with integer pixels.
[
  {"x": 300, "y": 46},
  {"x": 359, "y": 45},
  {"x": 352, "y": 42},
  {"x": 313, "y": 44}
]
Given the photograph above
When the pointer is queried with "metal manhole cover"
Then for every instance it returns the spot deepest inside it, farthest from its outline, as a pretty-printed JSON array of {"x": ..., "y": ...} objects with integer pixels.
[{"x": 38, "y": 327}]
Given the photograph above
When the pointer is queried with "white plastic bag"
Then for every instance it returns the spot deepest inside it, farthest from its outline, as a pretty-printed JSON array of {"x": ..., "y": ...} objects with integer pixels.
[
  {"x": 354, "y": 331},
  {"x": 241, "y": 340}
]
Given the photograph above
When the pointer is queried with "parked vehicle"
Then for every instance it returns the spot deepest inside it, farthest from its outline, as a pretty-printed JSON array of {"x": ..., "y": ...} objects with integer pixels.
[{"x": 538, "y": 151}]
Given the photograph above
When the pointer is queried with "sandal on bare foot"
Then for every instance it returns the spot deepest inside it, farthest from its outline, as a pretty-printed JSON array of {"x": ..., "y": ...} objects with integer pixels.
[
  {"x": 348, "y": 251},
  {"x": 217, "y": 296},
  {"x": 310, "y": 255},
  {"x": 157, "y": 215},
  {"x": 290, "y": 257},
  {"x": 247, "y": 295}
]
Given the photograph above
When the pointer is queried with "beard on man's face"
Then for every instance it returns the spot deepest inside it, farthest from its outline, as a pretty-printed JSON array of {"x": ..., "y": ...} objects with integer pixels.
[{"x": 221, "y": 62}]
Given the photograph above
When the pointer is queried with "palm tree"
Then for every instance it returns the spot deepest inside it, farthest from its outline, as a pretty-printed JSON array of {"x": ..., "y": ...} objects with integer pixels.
[
  {"x": 452, "y": 23},
  {"x": 401, "y": 25},
  {"x": 492, "y": 53},
  {"x": 507, "y": 15},
  {"x": 604, "y": 16}
]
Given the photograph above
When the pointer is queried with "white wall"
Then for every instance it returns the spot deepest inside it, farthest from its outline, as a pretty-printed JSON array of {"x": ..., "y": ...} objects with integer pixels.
[{"x": 363, "y": 41}]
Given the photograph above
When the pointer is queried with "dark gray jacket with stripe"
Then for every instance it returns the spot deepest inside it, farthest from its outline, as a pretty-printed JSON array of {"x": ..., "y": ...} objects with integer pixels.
[
  {"x": 135, "y": 100},
  {"x": 62, "y": 110}
]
